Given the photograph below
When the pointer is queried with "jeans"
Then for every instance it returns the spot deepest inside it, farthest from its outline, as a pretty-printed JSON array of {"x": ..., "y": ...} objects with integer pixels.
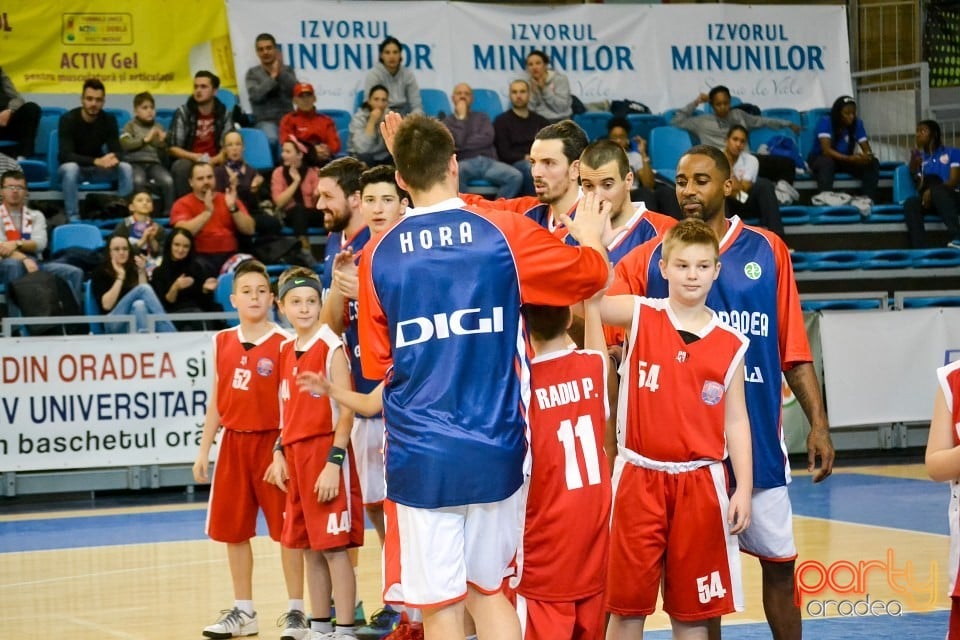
[
  {"x": 162, "y": 182},
  {"x": 526, "y": 187},
  {"x": 72, "y": 175},
  {"x": 140, "y": 301},
  {"x": 506, "y": 178},
  {"x": 11, "y": 269}
]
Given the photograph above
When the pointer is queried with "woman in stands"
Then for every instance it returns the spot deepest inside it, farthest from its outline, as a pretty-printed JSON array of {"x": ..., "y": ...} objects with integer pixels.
[
  {"x": 366, "y": 142},
  {"x": 549, "y": 90},
  {"x": 936, "y": 171},
  {"x": 293, "y": 187},
  {"x": 399, "y": 81},
  {"x": 179, "y": 282},
  {"x": 119, "y": 286},
  {"x": 836, "y": 149}
]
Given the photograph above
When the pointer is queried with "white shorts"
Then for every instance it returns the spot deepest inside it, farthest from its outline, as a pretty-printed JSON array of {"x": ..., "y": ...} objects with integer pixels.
[
  {"x": 367, "y": 440},
  {"x": 770, "y": 534},
  {"x": 441, "y": 551}
]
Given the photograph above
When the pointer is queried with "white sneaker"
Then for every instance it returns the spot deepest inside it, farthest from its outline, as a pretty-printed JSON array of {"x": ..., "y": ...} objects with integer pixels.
[
  {"x": 786, "y": 193},
  {"x": 864, "y": 204},
  {"x": 233, "y": 623},
  {"x": 295, "y": 626}
]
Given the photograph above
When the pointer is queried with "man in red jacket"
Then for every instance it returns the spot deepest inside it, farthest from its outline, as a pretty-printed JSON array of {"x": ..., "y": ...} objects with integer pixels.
[{"x": 308, "y": 126}]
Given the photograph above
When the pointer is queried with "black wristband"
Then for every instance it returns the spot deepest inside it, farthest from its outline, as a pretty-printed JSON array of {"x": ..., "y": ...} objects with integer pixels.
[
  {"x": 337, "y": 456},
  {"x": 278, "y": 446}
]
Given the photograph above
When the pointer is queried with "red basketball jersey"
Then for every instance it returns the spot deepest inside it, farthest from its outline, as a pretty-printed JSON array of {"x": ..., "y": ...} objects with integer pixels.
[
  {"x": 949, "y": 378},
  {"x": 248, "y": 379},
  {"x": 671, "y": 404},
  {"x": 302, "y": 414},
  {"x": 568, "y": 498}
]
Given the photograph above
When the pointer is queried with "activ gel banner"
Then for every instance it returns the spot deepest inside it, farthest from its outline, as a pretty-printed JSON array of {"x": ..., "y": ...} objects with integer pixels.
[
  {"x": 663, "y": 56},
  {"x": 132, "y": 46}
]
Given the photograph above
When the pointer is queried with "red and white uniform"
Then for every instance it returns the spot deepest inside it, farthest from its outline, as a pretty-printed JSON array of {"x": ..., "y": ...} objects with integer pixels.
[
  {"x": 560, "y": 587},
  {"x": 670, "y": 490},
  {"x": 949, "y": 378},
  {"x": 308, "y": 423},
  {"x": 247, "y": 379}
]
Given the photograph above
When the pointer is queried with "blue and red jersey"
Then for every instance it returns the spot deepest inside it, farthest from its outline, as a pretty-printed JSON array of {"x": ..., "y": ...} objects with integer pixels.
[
  {"x": 441, "y": 293},
  {"x": 335, "y": 244},
  {"x": 642, "y": 226}
]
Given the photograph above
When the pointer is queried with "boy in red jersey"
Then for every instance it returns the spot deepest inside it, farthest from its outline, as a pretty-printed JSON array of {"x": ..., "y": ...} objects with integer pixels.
[
  {"x": 943, "y": 465},
  {"x": 681, "y": 405},
  {"x": 244, "y": 403},
  {"x": 324, "y": 510},
  {"x": 560, "y": 589}
]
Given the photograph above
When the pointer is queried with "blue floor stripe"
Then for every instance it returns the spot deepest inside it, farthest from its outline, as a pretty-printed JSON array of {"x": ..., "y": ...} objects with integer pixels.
[
  {"x": 914, "y": 505},
  {"x": 927, "y": 626}
]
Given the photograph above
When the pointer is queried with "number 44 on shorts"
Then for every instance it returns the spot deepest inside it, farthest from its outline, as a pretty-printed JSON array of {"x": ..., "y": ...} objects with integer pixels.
[
  {"x": 714, "y": 589},
  {"x": 337, "y": 525}
]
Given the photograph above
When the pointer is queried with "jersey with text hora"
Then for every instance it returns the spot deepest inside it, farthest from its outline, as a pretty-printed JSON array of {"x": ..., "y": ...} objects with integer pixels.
[
  {"x": 440, "y": 296},
  {"x": 757, "y": 295}
]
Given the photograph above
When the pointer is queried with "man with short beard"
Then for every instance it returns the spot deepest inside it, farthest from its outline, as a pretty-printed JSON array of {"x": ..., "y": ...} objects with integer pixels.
[
  {"x": 196, "y": 133},
  {"x": 338, "y": 199}
]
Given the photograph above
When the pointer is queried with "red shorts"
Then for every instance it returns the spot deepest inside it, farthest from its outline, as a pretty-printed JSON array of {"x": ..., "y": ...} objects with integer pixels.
[
  {"x": 583, "y": 619},
  {"x": 238, "y": 490},
  {"x": 309, "y": 523},
  {"x": 673, "y": 527}
]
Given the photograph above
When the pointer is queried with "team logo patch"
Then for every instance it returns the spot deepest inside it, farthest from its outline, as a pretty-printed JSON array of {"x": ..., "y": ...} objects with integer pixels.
[
  {"x": 945, "y": 159},
  {"x": 711, "y": 393},
  {"x": 752, "y": 270},
  {"x": 264, "y": 366}
]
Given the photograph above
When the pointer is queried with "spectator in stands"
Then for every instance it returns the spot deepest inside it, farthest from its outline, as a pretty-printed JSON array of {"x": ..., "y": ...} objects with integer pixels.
[
  {"x": 838, "y": 135},
  {"x": 144, "y": 143},
  {"x": 18, "y": 119},
  {"x": 197, "y": 131},
  {"x": 310, "y": 127},
  {"x": 366, "y": 141},
  {"x": 514, "y": 131},
  {"x": 120, "y": 287},
  {"x": 389, "y": 72},
  {"x": 179, "y": 281},
  {"x": 549, "y": 90},
  {"x": 270, "y": 87},
  {"x": 750, "y": 195},
  {"x": 473, "y": 135},
  {"x": 90, "y": 148},
  {"x": 658, "y": 197},
  {"x": 293, "y": 188},
  {"x": 712, "y": 129},
  {"x": 23, "y": 238},
  {"x": 213, "y": 218},
  {"x": 936, "y": 170},
  {"x": 145, "y": 235}
]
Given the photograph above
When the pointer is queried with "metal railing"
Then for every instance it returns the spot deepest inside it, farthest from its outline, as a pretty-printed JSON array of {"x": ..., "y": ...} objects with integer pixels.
[
  {"x": 892, "y": 100},
  {"x": 130, "y": 320}
]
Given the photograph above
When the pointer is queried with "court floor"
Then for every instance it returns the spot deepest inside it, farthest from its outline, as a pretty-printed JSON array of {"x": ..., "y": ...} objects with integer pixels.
[{"x": 872, "y": 543}]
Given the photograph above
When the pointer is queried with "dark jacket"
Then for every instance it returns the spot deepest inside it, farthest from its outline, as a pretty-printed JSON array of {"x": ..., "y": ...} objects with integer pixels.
[{"x": 184, "y": 125}]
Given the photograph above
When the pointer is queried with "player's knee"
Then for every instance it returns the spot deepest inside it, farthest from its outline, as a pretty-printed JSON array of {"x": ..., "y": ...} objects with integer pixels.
[{"x": 778, "y": 572}]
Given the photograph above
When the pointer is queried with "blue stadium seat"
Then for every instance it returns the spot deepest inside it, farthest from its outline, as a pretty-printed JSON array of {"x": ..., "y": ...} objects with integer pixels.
[
  {"x": 122, "y": 115},
  {"x": 668, "y": 116},
  {"x": 832, "y": 305},
  {"x": 885, "y": 213},
  {"x": 53, "y": 111},
  {"x": 808, "y": 138},
  {"x": 795, "y": 214},
  {"x": 594, "y": 123},
  {"x": 809, "y": 119},
  {"x": 435, "y": 103},
  {"x": 228, "y": 98},
  {"x": 783, "y": 113},
  {"x": 75, "y": 234},
  {"x": 886, "y": 259},
  {"x": 903, "y": 188},
  {"x": 358, "y": 100},
  {"x": 221, "y": 295},
  {"x": 641, "y": 124},
  {"x": 666, "y": 145},
  {"x": 930, "y": 301},
  {"x": 845, "y": 214},
  {"x": 164, "y": 118},
  {"x": 834, "y": 260},
  {"x": 801, "y": 261},
  {"x": 487, "y": 101},
  {"x": 341, "y": 120},
  {"x": 90, "y": 307},
  {"x": 256, "y": 149},
  {"x": 935, "y": 258},
  {"x": 37, "y": 173}
]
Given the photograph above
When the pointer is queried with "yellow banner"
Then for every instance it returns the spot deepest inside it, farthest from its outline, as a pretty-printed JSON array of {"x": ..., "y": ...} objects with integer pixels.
[{"x": 132, "y": 46}]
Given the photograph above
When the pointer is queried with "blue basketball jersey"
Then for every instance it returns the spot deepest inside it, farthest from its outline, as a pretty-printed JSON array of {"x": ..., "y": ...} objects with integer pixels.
[
  {"x": 335, "y": 244},
  {"x": 642, "y": 226}
]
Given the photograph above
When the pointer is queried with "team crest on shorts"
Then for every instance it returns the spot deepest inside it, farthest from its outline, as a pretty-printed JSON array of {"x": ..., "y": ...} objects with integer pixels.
[
  {"x": 264, "y": 366},
  {"x": 711, "y": 392}
]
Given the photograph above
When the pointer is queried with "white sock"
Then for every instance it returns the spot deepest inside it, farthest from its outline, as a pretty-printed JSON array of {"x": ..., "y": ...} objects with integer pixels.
[
  {"x": 471, "y": 637},
  {"x": 295, "y": 605},
  {"x": 347, "y": 630},
  {"x": 246, "y": 606},
  {"x": 414, "y": 615},
  {"x": 322, "y": 627}
]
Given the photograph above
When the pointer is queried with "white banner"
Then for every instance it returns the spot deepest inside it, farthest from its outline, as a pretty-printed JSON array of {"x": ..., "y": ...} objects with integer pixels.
[
  {"x": 102, "y": 401},
  {"x": 663, "y": 56},
  {"x": 880, "y": 367}
]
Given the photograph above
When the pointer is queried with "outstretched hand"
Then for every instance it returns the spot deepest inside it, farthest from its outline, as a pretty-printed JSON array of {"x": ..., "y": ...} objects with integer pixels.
[{"x": 388, "y": 128}]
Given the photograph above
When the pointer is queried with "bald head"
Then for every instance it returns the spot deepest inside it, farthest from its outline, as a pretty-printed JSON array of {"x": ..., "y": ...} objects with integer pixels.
[{"x": 463, "y": 93}]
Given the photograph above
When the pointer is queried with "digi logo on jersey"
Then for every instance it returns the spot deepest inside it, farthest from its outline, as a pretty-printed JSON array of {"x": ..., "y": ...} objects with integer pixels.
[{"x": 441, "y": 326}]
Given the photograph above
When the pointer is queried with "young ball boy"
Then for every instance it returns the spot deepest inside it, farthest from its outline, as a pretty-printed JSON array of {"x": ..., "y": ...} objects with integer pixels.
[
  {"x": 244, "y": 403},
  {"x": 681, "y": 407}
]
